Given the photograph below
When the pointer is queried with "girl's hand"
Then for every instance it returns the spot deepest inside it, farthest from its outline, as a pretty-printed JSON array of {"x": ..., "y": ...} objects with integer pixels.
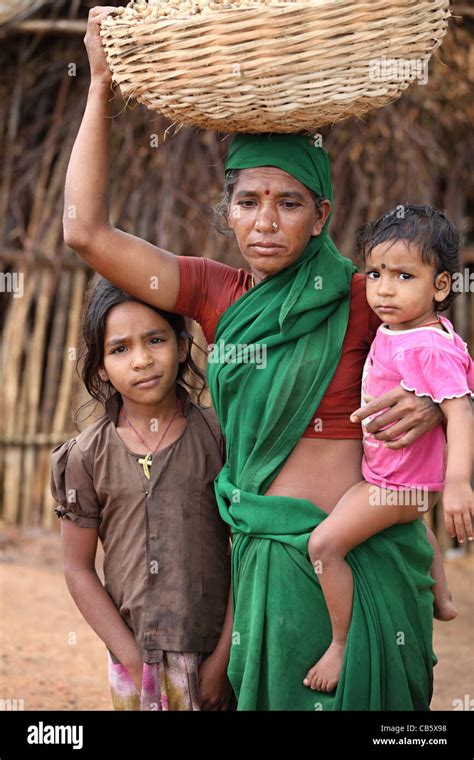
[
  {"x": 135, "y": 669},
  {"x": 214, "y": 686},
  {"x": 99, "y": 67},
  {"x": 458, "y": 507},
  {"x": 136, "y": 673},
  {"x": 412, "y": 416}
]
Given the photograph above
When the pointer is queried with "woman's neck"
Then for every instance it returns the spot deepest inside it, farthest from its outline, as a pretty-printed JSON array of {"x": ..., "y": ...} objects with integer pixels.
[{"x": 257, "y": 276}]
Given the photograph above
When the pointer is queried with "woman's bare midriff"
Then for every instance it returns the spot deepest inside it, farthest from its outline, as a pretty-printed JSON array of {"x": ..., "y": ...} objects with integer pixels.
[{"x": 320, "y": 470}]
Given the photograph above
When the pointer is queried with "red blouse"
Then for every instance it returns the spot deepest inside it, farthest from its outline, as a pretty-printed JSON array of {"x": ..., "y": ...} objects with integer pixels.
[{"x": 208, "y": 288}]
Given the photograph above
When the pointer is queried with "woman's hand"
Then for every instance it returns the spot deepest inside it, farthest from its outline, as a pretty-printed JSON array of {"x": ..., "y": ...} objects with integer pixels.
[
  {"x": 99, "y": 67},
  {"x": 458, "y": 508},
  {"x": 412, "y": 416},
  {"x": 214, "y": 686}
]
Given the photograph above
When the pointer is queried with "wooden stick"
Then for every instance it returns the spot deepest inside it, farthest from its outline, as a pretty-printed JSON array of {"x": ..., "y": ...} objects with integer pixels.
[
  {"x": 37, "y": 440},
  {"x": 62, "y": 417},
  {"x": 34, "y": 371},
  {"x": 15, "y": 336},
  {"x": 47, "y": 26},
  {"x": 15, "y": 256},
  {"x": 462, "y": 10},
  {"x": 54, "y": 360}
]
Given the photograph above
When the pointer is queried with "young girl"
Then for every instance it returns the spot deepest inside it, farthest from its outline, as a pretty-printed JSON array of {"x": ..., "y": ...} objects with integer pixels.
[
  {"x": 411, "y": 255},
  {"x": 141, "y": 480}
]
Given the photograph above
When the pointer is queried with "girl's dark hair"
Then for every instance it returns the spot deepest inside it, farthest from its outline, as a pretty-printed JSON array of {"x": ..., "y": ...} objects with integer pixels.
[
  {"x": 101, "y": 296},
  {"x": 429, "y": 229},
  {"x": 222, "y": 205}
]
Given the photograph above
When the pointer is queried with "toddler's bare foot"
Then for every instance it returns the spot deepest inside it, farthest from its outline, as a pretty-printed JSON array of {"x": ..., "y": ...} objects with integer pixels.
[
  {"x": 444, "y": 608},
  {"x": 325, "y": 674}
]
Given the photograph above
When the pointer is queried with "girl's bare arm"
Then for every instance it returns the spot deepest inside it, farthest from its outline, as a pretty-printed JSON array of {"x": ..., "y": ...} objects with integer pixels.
[
  {"x": 79, "y": 547},
  {"x": 458, "y": 502},
  {"x": 142, "y": 269}
]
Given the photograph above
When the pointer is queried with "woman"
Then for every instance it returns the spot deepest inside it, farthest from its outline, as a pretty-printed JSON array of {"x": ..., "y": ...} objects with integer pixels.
[{"x": 292, "y": 451}]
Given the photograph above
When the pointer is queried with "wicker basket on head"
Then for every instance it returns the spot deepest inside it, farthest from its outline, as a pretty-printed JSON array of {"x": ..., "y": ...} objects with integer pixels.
[{"x": 274, "y": 66}]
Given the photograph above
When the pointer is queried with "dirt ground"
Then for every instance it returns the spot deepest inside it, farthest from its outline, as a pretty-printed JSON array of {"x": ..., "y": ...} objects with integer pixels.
[{"x": 51, "y": 660}]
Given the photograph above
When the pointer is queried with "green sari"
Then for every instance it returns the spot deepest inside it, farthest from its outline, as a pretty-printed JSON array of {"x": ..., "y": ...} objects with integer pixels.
[{"x": 298, "y": 317}]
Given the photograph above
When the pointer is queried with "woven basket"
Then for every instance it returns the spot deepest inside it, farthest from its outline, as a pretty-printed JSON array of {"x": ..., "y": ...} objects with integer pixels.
[{"x": 287, "y": 67}]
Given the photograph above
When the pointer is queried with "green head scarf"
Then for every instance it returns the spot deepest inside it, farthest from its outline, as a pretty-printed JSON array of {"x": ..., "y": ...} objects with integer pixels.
[
  {"x": 296, "y": 154},
  {"x": 276, "y": 349}
]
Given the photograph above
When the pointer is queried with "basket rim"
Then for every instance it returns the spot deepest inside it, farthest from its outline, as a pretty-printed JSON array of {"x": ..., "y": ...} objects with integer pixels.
[{"x": 404, "y": 8}]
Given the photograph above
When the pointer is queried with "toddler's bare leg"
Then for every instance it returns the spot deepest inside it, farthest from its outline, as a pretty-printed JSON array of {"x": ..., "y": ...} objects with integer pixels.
[
  {"x": 363, "y": 511},
  {"x": 444, "y": 608}
]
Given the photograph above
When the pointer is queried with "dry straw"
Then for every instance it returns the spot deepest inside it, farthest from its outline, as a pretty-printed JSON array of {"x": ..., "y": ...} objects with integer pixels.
[
  {"x": 12, "y": 11},
  {"x": 282, "y": 67}
]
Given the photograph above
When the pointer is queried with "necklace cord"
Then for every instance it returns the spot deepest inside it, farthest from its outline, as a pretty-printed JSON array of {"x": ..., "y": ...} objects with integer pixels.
[{"x": 152, "y": 453}]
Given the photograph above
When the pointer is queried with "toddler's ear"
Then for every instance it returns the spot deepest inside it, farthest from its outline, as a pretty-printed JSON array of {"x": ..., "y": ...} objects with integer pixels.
[
  {"x": 443, "y": 286},
  {"x": 103, "y": 375}
]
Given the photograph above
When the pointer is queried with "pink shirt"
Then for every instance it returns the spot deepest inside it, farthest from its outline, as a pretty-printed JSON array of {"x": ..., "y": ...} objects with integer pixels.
[{"x": 429, "y": 362}]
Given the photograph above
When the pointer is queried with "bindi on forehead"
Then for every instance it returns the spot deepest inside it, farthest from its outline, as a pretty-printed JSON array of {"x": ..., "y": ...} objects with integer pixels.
[
  {"x": 267, "y": 192},
  {"x": 383, "y": 266}
]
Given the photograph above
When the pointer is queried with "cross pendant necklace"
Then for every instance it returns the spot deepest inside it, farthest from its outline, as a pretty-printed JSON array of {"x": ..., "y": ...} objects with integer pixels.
[
  {"x": 146, "y": 464},
  {"x": 147, "y": 460}
]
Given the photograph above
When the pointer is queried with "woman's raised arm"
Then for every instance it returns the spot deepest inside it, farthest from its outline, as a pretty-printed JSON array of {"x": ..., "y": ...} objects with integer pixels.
[{"x": 138, "y": 267}]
